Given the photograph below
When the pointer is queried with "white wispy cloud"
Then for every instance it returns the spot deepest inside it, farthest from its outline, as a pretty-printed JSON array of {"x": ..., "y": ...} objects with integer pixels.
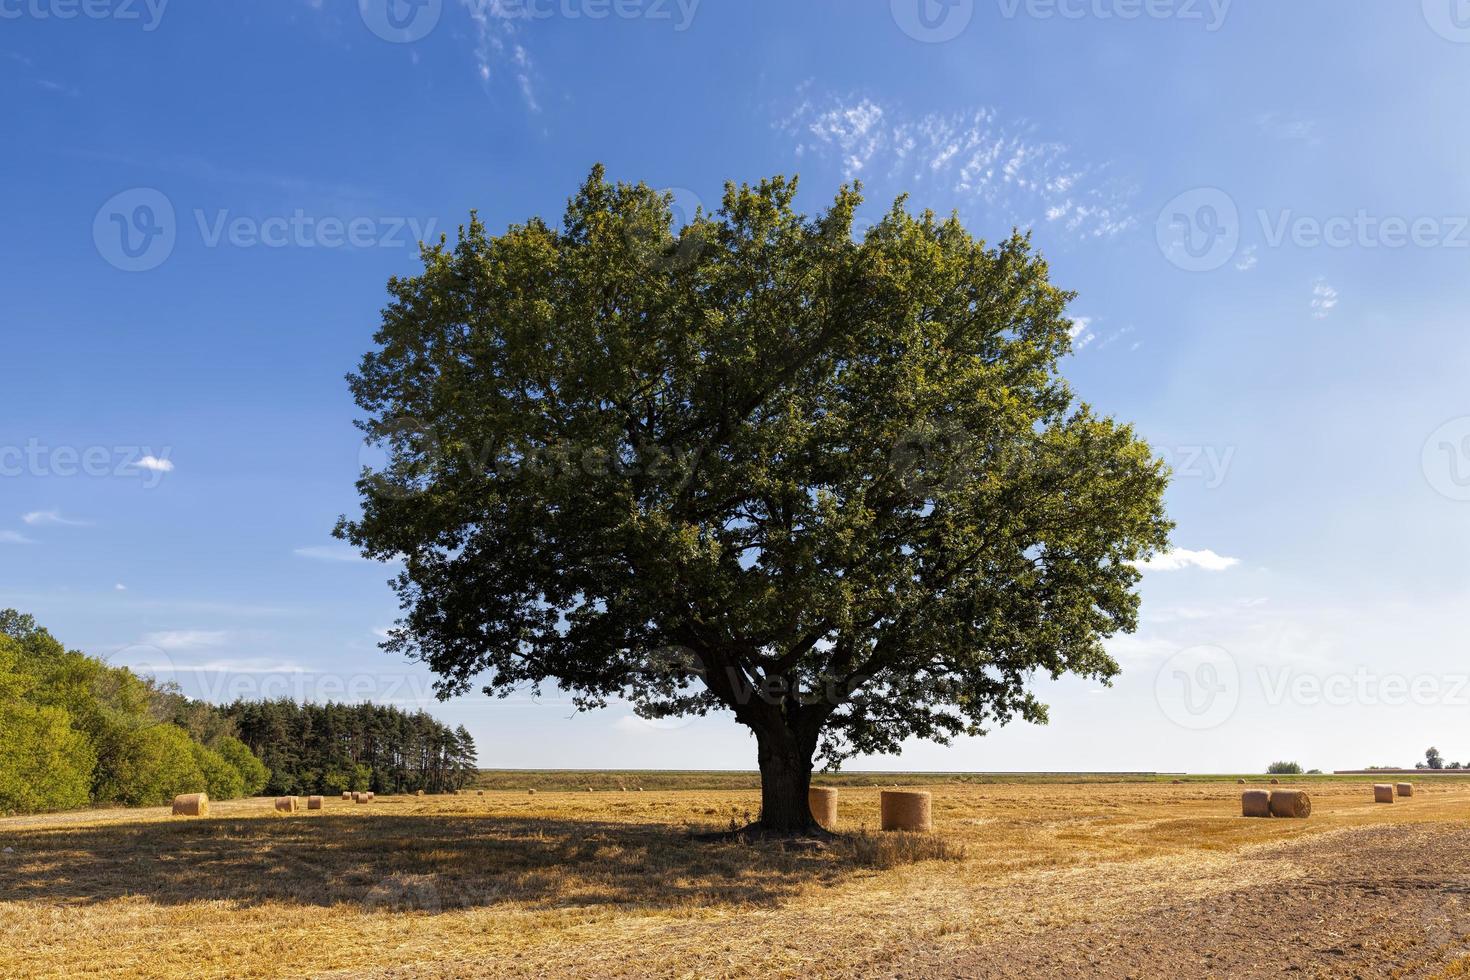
[
  {"x": 975, "y": 155},
  {"x": 156, "y": 464},
  {"x": 327, "y": 552},
  {"x": 1180, "y": 558},
  {"x": 1324, "y": 300},
  {"x": 497, "y": 44},
  {"x": 1115, "y": 336},
  {"x": 38, "y": 518},
  {"x": 119, "y": 587},
  {"x": 1247, "y": 260},
  {"x": 185, "y": 639},
  {"x": 14, "y": 537}
]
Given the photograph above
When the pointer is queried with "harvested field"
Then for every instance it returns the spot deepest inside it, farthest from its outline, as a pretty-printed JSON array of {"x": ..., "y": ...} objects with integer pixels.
[{"x": 1021, "y": 878}]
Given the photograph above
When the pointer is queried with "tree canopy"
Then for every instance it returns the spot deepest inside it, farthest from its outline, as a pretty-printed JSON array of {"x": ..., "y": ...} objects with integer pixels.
[{"x": 834, "y": 486}]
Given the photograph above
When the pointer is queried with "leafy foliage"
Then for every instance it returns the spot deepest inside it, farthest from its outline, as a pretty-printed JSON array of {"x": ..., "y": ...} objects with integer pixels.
[
  {"x": 1284, "y": 769},
  {"x": 837, "y": 488},
  {"x": 74, "y": 730},
  {"x": 253, "y": 773}
]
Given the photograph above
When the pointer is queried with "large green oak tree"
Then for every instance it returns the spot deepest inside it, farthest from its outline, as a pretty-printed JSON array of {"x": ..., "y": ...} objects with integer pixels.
[{"x": 834, "y": 485}]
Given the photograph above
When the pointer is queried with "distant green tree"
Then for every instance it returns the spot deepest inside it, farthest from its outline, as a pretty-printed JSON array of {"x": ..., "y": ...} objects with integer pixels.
[
  {"x": 222, "y": 781},
  {"x": 1433, "y": 759},
  {"x": 152, "y": 766},
  {"x": 253, "y": 773},
  {"x": 45, "y": 763},
  {"x": 1284, "y": 769}
]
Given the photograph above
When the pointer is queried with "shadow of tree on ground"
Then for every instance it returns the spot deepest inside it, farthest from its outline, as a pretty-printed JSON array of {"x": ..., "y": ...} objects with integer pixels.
[{"x": 429, "y": 864}]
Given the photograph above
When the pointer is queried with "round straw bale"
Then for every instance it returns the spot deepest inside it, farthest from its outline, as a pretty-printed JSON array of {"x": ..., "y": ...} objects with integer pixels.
[
  {"x": 905, "y": 810},
  {"x": 530, "y": 792},
  {"x": 1291, "y": 803},
  {"x": 1175, "y": 782},
  {"x": 1240, "y": 782},
  {"x": 1382, "y": 793},
  {"x": 346, "y": 795},
  {"x": 479, "y": 792},
  {"x": 418, "y": 793},
  {"x": 191, "y": 805},
  {"x": 313, "y": 802},
  {"x": 369, "y": 795},
  {"x": 1405, "y": 789},
  {"x": 286, "y": 804},
  {"x": 1255, "y": 803},
  {"x": 1275, "y": 782},
  {"x": 823, "y": 803}
]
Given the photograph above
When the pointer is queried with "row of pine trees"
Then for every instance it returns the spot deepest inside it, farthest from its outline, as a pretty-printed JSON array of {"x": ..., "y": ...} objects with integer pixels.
[
  {"x": 329, "y": 748},
  {"x": 76, "y": 731}
]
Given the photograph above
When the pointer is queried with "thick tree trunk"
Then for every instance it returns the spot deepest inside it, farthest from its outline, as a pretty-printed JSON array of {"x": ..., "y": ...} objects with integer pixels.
[{"x": 786, "y": 776}]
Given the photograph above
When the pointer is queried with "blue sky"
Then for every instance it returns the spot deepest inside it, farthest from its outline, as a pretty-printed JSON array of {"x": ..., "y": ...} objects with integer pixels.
[{"x": 1262, "y": 205}]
